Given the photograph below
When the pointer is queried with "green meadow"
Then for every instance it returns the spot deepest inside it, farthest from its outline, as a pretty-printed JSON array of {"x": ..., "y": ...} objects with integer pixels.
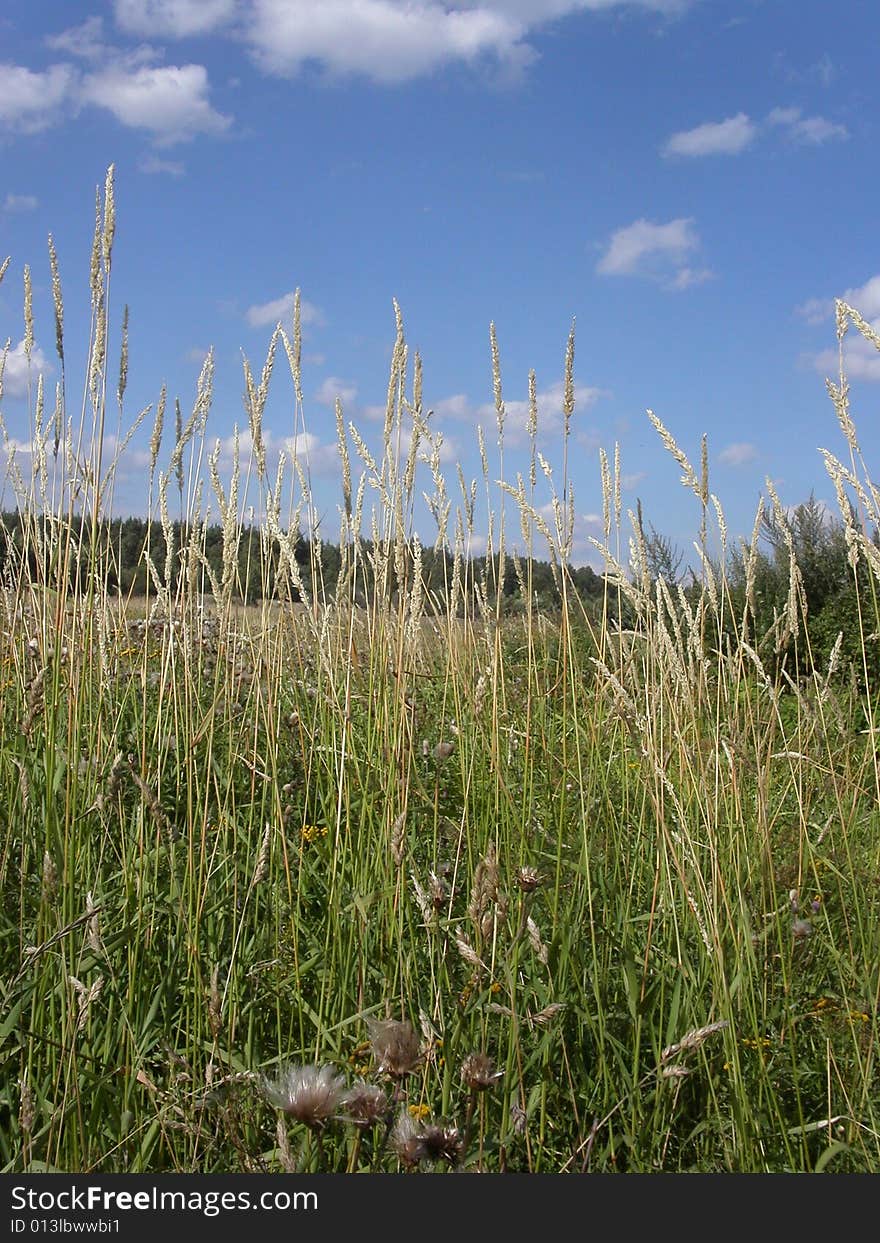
[{"x": 368, "y": 855}]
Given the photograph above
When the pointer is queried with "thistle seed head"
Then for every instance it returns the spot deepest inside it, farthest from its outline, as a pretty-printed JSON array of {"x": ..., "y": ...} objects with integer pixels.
[
  {"x": 441, "y": 1143},
  {"x": 310, "y": 1094},
  {"x": 406, "y": 1140},
  {"x": 478, "y": 1072},
  {"x": 528, "y": 879},
  {"x": 416, "y": 1142},
  {"x": 395, "y": 1046},
  {"x": 365, "y": 1105}
]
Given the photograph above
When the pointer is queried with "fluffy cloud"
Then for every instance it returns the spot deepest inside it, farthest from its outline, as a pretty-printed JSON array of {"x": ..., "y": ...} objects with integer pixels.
[
  {"x": 713, "y": 138},
  {"x": 282, "y": 308},
  {"x": 655, "y": 250},
  {"x": 173, "y": 19},
  {"x": 16, "y": 371},
  {"x": 312, "y": 455},
  {"x": 861, "y": 357},
  {"x": 31, "y": 101},
  {"x": 734, "y": 135},
  {"x": 85, "y": 41},
  {"x": 385, "y": 40},
  {"x": 865, "y": 298},
  {"x": 738, "y": 454},
  {"x": 550, "y": 413},
  {"x": 332, "y": 388},
  {"x": 811, "y": 131},
  {"x": 169, "y": 102}
]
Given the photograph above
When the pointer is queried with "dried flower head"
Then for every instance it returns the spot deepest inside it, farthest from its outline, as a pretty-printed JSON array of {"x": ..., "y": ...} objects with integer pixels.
[
  {"x": 439, "y": 891},
  {"x": 415, "y": 1142},
  {"x": 365, "y": 1105},
  {"x": 443, "y": 750},
  {"x": 801, "y": 929},
  {"x": 528, "y": 879},
  {"x": 441, "y": 1143},
  {"x": 395, "y": 1046},
  {"x": 478, "y": 1072},
  {"x": 310, "y": 1094},
  {"x": 406, "y": 1140}
]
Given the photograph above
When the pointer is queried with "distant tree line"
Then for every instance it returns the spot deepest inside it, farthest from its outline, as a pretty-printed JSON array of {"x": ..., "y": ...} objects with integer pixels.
[
  {"x": 834, "y": 598},
  {"x": 64, "y": 555}
]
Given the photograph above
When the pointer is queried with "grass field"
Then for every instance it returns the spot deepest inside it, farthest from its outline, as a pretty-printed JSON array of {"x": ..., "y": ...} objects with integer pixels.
[{"x": 411, "y": 883}]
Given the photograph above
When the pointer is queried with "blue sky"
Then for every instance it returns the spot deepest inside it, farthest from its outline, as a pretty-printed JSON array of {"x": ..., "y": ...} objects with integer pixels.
[{"x": 692, "y": 181}]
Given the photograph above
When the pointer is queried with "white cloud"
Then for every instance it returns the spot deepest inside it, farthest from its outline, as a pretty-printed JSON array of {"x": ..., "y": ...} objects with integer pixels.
[
  {"x": 533, "y": 12},
  {"x": 332, "y": 388},
  {"x": 15, "y": 447},
  {"x": 861, "y": 359},
  {"x": 31, "y": 101},
  {"x": 738, "y": 454},
  {"x": 282, "y": 308},
  {"x": 85, "y": 41},
  {"x": 815, "y": 310},
  {"x": 811, "y": 131},
  {"x": 733, "y": 135},
  {"x": 686, "y": 277},
  {"x": 865, "y": 298},
  {"x": 455, "y": 407},
  {"x": 169, "y": 102},
  {"x": 318, "y": 458},
  {"x": 151, "y": 165},
  {"x": 15, "y": 373},
  {"x": 728, "y": 137},
  {"x": 386, "y": 40},
  {"x": 20, "y": 202},
  {"x": 655, "y": 250},
  {"x": 550, "y": 413},
  {"x": 173, "y": 19}
]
